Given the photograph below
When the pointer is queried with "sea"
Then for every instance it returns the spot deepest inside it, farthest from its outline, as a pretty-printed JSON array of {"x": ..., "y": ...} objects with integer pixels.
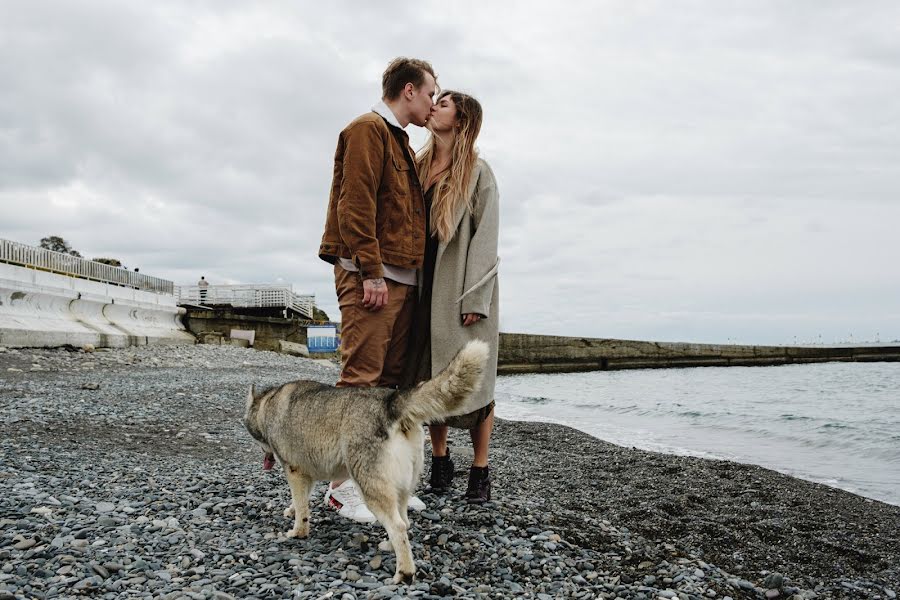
[{"x": 832, "y": 423}]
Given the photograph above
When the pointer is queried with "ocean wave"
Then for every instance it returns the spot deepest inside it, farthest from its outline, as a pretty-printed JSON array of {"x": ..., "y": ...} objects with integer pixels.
[
  {"x": 533, "y": 400},
  {"x": 837, "y": 426},
  {"x": 792, "y": 417}
]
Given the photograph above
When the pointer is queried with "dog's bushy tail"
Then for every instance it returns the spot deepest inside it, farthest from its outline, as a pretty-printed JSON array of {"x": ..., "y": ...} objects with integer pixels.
[{"x": 446, "y": 393}]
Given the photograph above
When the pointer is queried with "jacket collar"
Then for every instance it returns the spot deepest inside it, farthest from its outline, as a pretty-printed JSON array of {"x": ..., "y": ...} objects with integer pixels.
[{"x": 384, "y": 111}]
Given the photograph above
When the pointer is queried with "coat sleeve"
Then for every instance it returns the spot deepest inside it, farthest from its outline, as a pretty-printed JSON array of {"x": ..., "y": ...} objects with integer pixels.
[
  {"x": 481, "y": 258},
  {"x": 357, "y": 204}
]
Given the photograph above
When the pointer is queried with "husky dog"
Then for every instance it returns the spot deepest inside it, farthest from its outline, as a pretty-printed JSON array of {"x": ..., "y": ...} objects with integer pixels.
[{"x": 372, "y": 435}]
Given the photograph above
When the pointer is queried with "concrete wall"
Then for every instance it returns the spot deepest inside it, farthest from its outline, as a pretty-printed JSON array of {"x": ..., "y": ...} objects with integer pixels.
[
  {"x": 269, "y": 330},
  {"x": 38, "y": 308},
  {"x": 526, "y": 353}
]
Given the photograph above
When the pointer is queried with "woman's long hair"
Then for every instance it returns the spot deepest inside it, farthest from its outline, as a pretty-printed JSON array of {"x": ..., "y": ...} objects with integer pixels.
[{"x": 450, "y": 190}]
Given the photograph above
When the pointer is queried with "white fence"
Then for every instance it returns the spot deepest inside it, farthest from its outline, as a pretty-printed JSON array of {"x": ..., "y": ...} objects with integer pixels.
[
  {"x": 247, "y": 296},
  {"x": 65, "y": 264}
]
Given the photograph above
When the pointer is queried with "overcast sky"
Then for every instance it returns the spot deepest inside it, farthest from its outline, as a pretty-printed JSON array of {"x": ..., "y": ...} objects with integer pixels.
[{"x": 675, "y": 171}]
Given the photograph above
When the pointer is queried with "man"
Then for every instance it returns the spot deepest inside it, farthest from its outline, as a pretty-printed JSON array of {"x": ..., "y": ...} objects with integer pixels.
[
  {"x": 203, "y": 284},
  {"x": 375, "y": 237}
]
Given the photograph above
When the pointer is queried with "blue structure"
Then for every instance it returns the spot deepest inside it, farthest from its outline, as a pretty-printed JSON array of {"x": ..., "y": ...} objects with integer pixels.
[{"x": 321, "y": 338}]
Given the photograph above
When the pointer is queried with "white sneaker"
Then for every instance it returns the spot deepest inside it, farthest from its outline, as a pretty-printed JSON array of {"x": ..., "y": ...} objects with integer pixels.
[
  {"x": 415, "y": 504},
  {"x": 346, "y": 500}
]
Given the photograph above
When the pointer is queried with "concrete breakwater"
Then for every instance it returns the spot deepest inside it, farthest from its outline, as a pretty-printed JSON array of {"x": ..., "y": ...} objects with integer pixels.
[
  {"x": 47, "y": 309},
  {"x": 268, "y": 330},
  {"x": 528, "y": 353},
  {"x": 531, "y": 353}
]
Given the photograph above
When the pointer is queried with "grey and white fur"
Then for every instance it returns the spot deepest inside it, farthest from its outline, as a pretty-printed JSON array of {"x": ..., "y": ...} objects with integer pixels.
[{"x": 371, "y": 435}]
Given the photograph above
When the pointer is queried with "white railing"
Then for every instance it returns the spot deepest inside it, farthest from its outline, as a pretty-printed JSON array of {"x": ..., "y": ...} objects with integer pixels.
[
  {"x": 66, "y": 264},
  {"x": 247, "y": 296}
]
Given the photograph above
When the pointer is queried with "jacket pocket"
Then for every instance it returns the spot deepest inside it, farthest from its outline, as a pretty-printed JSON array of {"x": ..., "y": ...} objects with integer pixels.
[{"x": 400, "y": 205}]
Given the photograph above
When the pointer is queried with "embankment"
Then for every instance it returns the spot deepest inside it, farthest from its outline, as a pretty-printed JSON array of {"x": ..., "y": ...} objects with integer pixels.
[{"x": 529, "y": 353}]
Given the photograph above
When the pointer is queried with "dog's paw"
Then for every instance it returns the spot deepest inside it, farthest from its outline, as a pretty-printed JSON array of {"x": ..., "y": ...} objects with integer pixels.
[
  {"x": 289, "y": 512},
  {"x": 405, "y": 578},
  {"x": 297, "y": 533}
]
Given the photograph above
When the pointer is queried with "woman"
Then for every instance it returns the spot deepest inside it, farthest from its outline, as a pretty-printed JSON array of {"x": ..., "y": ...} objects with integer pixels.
[{"x": 459, "y": 296}]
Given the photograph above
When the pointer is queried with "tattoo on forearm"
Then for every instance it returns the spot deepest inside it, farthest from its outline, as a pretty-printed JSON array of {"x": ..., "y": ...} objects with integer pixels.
[{"x": 378, "y": 283}]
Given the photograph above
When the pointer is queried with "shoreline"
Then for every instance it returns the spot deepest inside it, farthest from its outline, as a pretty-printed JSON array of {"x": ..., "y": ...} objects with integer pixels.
[
  {"x": 705, "y": 455},
  {"x": 130, "y": 475}
]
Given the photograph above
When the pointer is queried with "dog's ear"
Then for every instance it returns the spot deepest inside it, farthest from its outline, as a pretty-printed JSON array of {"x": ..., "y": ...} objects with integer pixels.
[{"x": 251, "y": 395}]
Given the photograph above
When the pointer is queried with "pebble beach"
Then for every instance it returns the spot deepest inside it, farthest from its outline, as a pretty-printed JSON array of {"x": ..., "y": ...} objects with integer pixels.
[{"x": 127, "y": 473}]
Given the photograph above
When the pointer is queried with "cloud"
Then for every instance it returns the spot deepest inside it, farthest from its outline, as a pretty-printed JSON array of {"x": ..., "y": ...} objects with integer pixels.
[{"x": 716, "y": 172}]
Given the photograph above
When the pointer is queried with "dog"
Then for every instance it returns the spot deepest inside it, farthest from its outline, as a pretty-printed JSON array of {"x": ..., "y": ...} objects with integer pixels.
[{"x": 372, "y": 435}]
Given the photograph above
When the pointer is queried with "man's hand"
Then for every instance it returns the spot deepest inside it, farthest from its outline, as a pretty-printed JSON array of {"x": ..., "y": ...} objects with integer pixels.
[
  {"x": 375, "y": 294},
  {"x": 470, "y": 318}
]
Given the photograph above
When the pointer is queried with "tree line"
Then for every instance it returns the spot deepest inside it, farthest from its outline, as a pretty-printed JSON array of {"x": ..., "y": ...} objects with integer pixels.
[{"x": 58, "y": 244}]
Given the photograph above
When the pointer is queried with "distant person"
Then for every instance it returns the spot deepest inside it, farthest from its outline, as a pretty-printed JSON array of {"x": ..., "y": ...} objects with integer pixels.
[
  {"x": 459, "y": 295},
  {"x": 375, "y": 238},
  {"x": 202, "y": 284}
]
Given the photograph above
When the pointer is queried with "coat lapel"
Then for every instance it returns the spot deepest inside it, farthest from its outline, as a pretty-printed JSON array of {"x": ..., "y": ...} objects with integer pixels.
[{"x": 461, "y": 211}]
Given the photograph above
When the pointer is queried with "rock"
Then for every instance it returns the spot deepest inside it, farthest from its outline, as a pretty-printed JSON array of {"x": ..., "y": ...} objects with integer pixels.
[
  {"x": 25, "y": 544},
  {"x": 293, "y": 348},
  {"x": 210, "y": 338},
  {"x": 351, "y": 576},
  {"x": 443, "y": 586},
  {"x": 375, "y": 563},
  {"x": 85, "y": 584},
  {"x": 773, "y": 581},
  {"x": 99, "y": 570},
  {"x": 88, "y": 348},
  {"x": 90, "y": 386},
  {"x": 104, "y": 507},
  {"x": 773, "y": 593}
]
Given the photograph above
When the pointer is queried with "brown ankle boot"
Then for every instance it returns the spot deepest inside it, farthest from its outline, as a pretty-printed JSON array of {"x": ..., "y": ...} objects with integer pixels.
[{"x": 479, "y": 490}]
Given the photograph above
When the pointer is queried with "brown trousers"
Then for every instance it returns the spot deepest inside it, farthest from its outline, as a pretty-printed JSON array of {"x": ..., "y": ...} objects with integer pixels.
[{"x": 373, "y": 344}]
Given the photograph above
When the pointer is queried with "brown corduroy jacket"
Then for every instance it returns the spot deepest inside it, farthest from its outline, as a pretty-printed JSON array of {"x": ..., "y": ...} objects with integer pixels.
[{"x": 376, "y": 214}]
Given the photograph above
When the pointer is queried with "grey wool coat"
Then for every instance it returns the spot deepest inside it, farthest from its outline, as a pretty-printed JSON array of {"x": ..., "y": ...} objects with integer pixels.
[{"x": 465, "y": 281}]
